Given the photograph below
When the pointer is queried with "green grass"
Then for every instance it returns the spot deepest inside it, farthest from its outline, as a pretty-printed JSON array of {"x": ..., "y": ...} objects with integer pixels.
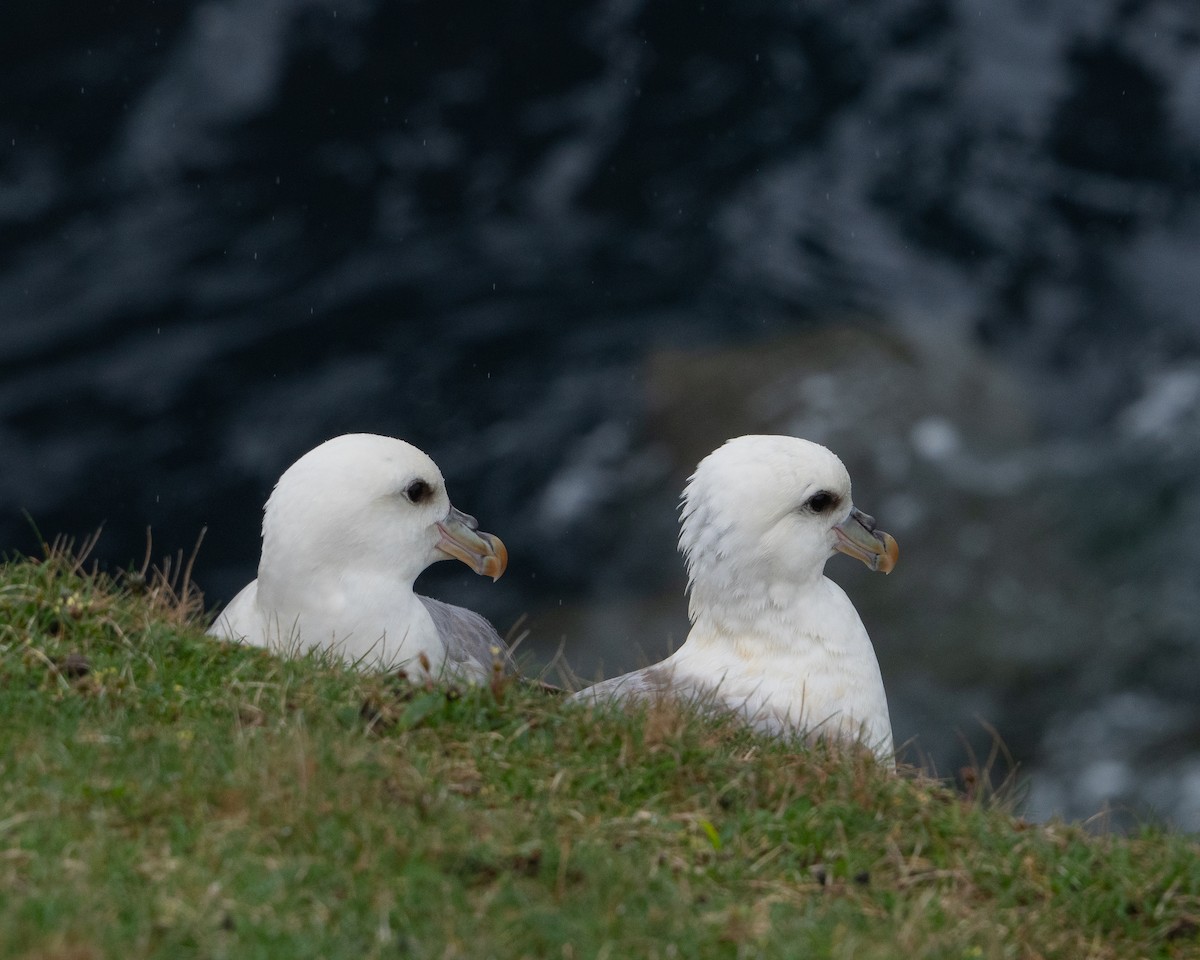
[{"x": 166, "y": 795}]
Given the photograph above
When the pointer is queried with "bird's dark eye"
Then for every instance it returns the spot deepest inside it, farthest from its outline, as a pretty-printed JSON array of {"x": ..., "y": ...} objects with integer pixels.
[
  {"x": 418, "y": 491},
  {"x": 820, "y": 502}
]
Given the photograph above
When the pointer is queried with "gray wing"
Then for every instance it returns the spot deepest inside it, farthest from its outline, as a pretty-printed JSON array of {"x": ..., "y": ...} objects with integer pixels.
[
  {"x": 470, "y": 640},
  {"x": 647, "y": 684},
  {"x": 660, "y": 681},
  {"x": 653, "y": 683}
]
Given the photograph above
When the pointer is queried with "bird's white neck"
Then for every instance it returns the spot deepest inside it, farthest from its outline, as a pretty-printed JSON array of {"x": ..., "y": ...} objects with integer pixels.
[
  {"x": 727, "y": 601},
  {"x": 355, "y": 614},
  {"x": 790, "y": 656},
  {"x": 290, "y": 582}
]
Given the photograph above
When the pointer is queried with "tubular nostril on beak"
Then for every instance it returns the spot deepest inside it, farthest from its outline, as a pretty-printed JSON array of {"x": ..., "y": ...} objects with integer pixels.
[
  {"x": 464, "y": 518},
  {"x": 866, "y": 520}
]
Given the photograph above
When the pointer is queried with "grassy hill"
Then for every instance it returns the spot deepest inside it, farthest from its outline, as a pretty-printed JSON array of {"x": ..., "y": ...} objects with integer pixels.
[{"x": 166, "y": 795}]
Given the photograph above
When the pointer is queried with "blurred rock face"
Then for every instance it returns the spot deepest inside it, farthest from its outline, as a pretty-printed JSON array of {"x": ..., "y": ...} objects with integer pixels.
[{"x": 569, "y": 254}]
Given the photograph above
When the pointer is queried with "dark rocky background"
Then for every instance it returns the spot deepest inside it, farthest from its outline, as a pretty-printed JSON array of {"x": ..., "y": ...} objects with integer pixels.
[{"x": 569, "y": 248}]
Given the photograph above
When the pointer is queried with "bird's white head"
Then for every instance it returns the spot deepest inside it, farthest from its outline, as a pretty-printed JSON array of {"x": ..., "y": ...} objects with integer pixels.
[
  {"x": 767, "y": 511},
  {"x": 367, "y": 502}
]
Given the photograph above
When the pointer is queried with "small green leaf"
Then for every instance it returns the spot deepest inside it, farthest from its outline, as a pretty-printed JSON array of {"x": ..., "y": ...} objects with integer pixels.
[{"x": 711, "y": 832}]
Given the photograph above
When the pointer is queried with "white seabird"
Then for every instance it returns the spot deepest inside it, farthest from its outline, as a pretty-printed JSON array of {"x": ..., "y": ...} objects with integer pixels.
[
  {"x": 345, "y": 533},
  {"x": 772, "y": 638}
]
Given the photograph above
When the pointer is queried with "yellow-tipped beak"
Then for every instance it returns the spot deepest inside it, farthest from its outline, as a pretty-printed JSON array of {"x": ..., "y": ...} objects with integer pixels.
[
  {"x": 858, "y": 538},
  {"x": 463, "y": 540}
]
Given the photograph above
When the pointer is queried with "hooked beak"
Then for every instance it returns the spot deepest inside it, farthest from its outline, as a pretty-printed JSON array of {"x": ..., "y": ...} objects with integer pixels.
[
  {"x": 463, "y": 540},
  {"x": 858, "y": 538}
]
